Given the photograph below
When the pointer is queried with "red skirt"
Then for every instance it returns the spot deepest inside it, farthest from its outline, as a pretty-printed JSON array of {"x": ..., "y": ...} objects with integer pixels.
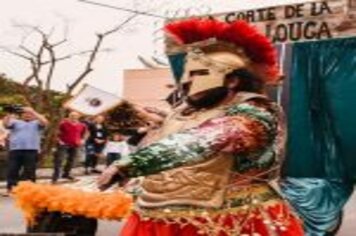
[{"x": 255, "y": 225}]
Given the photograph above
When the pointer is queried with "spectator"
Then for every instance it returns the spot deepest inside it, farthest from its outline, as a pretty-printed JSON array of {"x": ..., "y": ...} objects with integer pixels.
[
  {"x": 87, "y": 121},
  {"x": 24, "y": 144},
  {"x": 3, "y": 136},
  {"x": 140, "y": 136},
  {"x": 136, "y": 135},
  {"x": 115, "y": 148},
  {"x": 98, "y": 135},
  {"x": 72, "y": 135},
  {"x": 154, "y": 118}
]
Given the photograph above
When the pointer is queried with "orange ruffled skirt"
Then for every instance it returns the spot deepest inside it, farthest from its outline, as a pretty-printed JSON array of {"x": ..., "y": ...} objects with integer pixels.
[{"x": 255, "y": 225}]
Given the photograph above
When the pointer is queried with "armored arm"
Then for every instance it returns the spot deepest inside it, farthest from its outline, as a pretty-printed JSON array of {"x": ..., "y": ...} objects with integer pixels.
[{"x": 245, "y": 127}]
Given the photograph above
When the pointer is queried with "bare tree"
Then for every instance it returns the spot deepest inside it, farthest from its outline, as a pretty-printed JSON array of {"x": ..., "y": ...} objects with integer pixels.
[{"x": 36, "y": 87}]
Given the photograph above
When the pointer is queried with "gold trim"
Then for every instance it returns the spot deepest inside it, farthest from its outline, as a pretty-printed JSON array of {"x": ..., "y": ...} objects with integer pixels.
[{"x": 253, "y": 196}]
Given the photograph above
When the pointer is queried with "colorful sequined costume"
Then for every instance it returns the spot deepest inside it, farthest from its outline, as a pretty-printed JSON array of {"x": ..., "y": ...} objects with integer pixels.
[
  {"x": 208, "y": 174},
  {"x": 208, "y": 171}
]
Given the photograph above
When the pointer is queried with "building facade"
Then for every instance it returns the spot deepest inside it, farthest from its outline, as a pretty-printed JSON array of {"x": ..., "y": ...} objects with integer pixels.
[{"x": 148, "y": 87}]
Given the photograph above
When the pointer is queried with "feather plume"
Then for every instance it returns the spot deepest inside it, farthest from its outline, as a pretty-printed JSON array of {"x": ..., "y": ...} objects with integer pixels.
[{"x": 256, "y": 46}]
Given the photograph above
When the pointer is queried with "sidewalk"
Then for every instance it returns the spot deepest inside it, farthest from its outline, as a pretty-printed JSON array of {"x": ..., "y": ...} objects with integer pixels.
[{"x": 44, "y": 175}]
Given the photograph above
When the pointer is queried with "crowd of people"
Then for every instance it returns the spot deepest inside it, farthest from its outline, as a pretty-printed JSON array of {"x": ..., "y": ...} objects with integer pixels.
[{"x": 80, "y": 139}]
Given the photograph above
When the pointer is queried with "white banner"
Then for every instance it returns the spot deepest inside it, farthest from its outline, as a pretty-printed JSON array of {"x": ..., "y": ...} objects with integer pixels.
[
  {"x": 92, "y": 101},
  {"x": 315, "y": 20}
]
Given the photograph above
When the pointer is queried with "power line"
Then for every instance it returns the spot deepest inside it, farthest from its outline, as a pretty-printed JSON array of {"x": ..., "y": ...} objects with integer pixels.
[{"x": 123, "y": 9}]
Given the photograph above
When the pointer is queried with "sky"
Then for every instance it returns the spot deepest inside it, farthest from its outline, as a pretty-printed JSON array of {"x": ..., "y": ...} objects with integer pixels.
[{"x": 80, "y": 22}]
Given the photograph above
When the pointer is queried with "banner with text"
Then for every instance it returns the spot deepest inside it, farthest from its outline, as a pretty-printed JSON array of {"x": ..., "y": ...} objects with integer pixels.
[
  {"x": 314, "y": 20},
  {"x": 300, "y": 22}
]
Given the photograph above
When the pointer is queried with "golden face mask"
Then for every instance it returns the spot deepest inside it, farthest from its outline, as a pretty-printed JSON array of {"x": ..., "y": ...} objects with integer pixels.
[{"x": 207, "y": 71}]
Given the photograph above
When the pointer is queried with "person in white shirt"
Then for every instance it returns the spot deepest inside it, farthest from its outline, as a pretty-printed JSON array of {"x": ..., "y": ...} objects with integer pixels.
[{"x": 115, "y": 148}]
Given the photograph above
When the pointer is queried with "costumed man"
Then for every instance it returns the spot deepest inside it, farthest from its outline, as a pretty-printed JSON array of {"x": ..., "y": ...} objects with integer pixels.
[{"x": 208, "y": 169}]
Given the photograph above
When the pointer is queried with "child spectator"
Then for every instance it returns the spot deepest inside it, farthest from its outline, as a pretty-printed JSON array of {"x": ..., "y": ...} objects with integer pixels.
[{"x": 115, "y": 148}]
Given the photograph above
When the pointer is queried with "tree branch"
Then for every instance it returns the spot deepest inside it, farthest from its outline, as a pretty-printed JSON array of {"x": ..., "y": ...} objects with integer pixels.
[
  {"x": 24, "y": 89},
  {"x": 27, "y": 50},
  {"x": 36, "y": 71},
  {"x": 15, "y": 53},
  {"x": 33, "y": 28},
  {"x": 145, "y": 13},
  {"x": 100, "y": 38},
  {"x": 51, "y": 67},
  {"x": 59, "y": 43},
  {"x": 73, "y": 55},
  {"x": 57, "y": 59},
  {"x": 120, "y": 26}
]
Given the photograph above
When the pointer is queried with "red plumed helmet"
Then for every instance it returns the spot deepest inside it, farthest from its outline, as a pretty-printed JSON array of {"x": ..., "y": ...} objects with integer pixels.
[{"x": 242, "y": 35}]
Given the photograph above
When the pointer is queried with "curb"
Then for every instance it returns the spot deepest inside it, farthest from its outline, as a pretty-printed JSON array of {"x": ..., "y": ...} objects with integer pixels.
[{"x": 76, "y": 172}]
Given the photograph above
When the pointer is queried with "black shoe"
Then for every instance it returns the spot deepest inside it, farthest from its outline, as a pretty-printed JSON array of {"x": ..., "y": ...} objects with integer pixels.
[
  {"x": 68, "y": 177},
  {"x": 95, "y": 171},
  {"x": 86, "y": 171},
  {"x": 6, "y": 194}
]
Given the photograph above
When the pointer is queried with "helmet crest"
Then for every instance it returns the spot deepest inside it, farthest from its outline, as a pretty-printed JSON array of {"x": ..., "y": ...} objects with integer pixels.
[{"x": 239, "y": 34}]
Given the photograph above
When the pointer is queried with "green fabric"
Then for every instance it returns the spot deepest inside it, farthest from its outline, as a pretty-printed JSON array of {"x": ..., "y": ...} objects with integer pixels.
[
  {"x": 322, "y": 114},
  {"x": 177, "y": 62},
  {"x": 321, "y": 149},
  {"x": 318, "y": 202}
]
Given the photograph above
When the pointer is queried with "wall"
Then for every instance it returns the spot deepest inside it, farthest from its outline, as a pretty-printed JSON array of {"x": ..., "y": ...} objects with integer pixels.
[{"x": 147, "y": 87}]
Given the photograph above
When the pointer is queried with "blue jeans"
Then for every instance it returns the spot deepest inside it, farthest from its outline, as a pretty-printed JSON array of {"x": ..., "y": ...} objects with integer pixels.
[{"x": 92, "y": 153}]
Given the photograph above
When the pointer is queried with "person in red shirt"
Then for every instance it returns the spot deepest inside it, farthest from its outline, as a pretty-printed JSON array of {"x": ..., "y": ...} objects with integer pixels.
[{"x": 71, "y": 136}]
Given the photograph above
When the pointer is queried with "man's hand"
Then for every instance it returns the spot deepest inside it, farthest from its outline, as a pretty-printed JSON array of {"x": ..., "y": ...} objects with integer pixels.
[
  {"x": 2, "y": 142},
  {"x": 99, "y": 141},
  {"x": 81, "y": 142},
  {"x": 142, "y": 130},
  {"x": 150, "y": 113},
  {"x": 7, "y": 120},
  {"x": 154, "y": 110},
  {"x": 42, "y": 119},
  {"x": 60, "y": 142},
  {"x": 29, "y": 110},
  {"x": 100, "y": 155},
  {"x": 107, "y": 175}
]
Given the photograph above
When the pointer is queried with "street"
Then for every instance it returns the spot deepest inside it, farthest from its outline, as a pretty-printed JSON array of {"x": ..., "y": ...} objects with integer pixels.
[
  {"x": 349, "y": 227},
  {"x": 11, "y": 220}
]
